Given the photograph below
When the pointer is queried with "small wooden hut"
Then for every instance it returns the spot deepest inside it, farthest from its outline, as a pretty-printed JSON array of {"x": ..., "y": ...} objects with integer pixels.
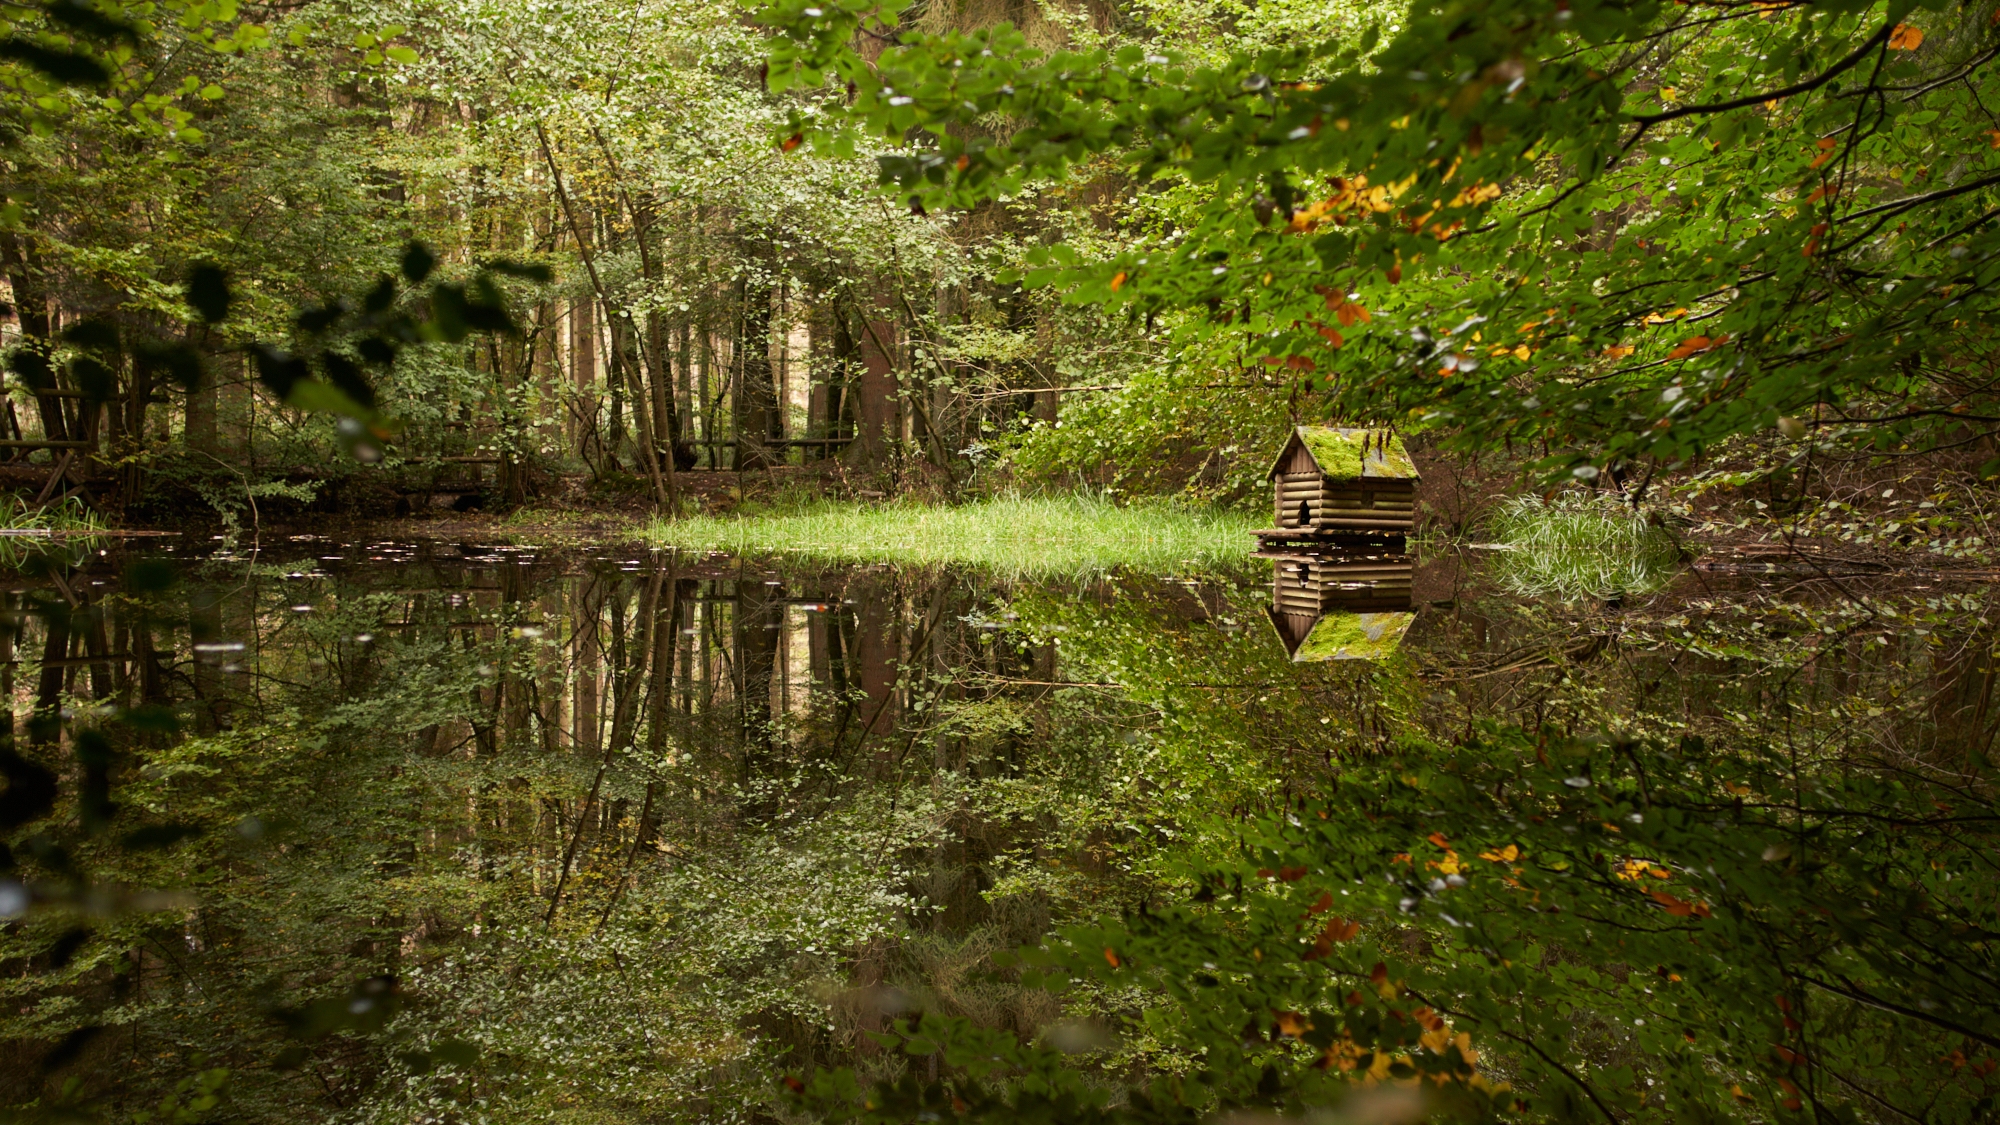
[{"x": 1329, "y": 482}]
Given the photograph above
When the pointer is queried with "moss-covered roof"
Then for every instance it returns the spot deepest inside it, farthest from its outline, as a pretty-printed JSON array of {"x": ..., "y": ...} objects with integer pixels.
[
  {"x": 1354, "y": 636},
  {"x": 1349, "y": 454}
]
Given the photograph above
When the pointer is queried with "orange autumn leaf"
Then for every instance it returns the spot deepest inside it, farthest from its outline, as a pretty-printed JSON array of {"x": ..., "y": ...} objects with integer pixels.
[
  {"x": 1508, "y": 854},
  {"x": 963, "y": 162},
  {"x": 1117, "y": 279},
  {"x": 1826, "y": 147},
  {"x": 1111, "y": 956},
  {"x": 1906, "y": 38},
  {"x": 1337, "y": 930},
  {"x": 1679, "y": 907},
  {"x": 792, "y": 142},
  {"x": 1332, "y": 335},
  {"x": 1617, "y": 351},
  {"x": 1695, "y": 344},
  {"x": 1292, "y": 1025},
  {"x": 1349, "y": 313},
  {"x": 1438, "y": 839},
  {"x": 1394, "y": 274}
]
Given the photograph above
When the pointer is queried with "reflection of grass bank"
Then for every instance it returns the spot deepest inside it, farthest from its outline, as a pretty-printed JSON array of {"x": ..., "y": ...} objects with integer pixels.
[
  {"x": 1012, "y": 536},
  {"x": 1581, "y": 545},
  {"x": 29, "y": 534}
]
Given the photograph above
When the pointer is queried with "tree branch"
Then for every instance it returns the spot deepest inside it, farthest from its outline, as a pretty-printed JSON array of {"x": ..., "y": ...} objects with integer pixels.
[{"x": 1810, "y": 84}]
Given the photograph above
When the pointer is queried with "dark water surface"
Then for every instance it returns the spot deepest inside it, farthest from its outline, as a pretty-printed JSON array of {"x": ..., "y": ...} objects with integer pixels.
[{"x": 422, "y": 830}]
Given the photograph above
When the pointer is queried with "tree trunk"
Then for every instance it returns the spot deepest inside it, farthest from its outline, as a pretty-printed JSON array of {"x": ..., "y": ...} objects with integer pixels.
[
  {"x": 756, "y": 396},
  {"x": 31, "y": 306}
]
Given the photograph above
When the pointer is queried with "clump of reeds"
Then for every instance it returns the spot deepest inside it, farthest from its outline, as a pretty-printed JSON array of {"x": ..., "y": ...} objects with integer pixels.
[
  {"x": 1581, "y": 544},
  {"x": 1012, "y": 536}
]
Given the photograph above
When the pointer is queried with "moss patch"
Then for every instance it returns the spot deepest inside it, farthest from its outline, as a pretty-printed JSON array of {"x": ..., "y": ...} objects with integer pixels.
[
  {"x": 1354, "y": 636},
  {"x": 1339, "y": 453}
]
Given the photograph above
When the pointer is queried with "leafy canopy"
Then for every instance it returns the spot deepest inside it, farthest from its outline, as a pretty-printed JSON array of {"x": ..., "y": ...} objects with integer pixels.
[{"x": 1615, "y": 232}]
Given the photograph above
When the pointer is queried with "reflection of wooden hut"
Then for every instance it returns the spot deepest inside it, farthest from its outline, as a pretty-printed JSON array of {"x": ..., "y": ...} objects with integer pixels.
[
  {"x": 1340, "y": 607},
  {"x": 1316, "y": 584},
  {"x": 1330, "y": 481}
]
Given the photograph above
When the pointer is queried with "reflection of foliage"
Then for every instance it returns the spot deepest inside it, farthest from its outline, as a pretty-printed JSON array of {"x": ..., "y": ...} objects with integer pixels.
[
  {"x": 373, "y": 801},
  {"x": 1581, "y": 545},
  {"x": 1619, "y": 929}
]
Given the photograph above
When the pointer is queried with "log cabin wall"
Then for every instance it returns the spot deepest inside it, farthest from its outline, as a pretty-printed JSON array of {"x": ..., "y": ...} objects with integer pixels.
[
  {"x": 1366, "y": 503},
  {"x": 1363, "y": 586},
  {"x": 1294, "y": 591},
  {"x": 1297, "y": 488},
  {"x": 1313, "y": 586},
  {"x": 1299, "y": 497}
]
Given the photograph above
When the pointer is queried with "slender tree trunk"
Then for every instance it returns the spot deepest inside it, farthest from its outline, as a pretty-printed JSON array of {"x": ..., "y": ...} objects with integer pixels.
[
  {"x": 31, "y": 306},
  {"x": 757, "y": 408},
  {"x": 648, "y": 455}
]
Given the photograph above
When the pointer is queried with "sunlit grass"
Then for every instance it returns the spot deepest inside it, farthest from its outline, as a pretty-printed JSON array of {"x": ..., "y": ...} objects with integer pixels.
[
  {"x": 1014, "y": 536},
  {"x": 1580, "y": 545}
]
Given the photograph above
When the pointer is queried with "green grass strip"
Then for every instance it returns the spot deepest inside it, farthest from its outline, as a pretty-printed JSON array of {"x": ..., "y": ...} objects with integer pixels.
[{"x": 1011, "y": 536}]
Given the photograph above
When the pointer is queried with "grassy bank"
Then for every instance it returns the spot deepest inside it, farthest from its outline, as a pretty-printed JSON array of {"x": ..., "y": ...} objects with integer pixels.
[{"x": 1010, "y": 536}]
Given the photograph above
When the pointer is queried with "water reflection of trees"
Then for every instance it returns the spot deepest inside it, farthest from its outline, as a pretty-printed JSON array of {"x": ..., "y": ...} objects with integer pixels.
[
  {"x": 666, "y": 803},
  {"x": 636, "y": 827}
]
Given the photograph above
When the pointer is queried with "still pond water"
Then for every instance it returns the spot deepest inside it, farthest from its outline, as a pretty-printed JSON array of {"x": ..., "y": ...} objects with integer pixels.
[{"x": 631, "y": 830}]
